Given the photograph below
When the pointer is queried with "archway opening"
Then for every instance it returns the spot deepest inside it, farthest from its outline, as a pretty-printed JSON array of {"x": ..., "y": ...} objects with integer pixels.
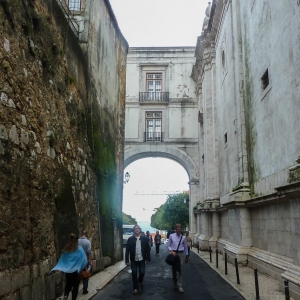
[{"x": 152, "y": 179}]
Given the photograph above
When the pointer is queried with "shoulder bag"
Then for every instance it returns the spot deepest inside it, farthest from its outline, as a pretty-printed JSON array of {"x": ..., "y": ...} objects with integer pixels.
[{"x": 171, "y": 259}]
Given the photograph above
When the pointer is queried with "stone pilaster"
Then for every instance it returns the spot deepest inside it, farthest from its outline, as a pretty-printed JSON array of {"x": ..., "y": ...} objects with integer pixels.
[
  {"x": 204, "y": 236},
  {"x": 215, "y": 230},
  {"x": 194, "y": 198}
]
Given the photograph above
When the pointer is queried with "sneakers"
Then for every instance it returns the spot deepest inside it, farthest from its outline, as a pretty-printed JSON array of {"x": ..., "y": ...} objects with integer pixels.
[
  {"x": 85, "y": 292},
  {"x": 176, "y": 286},
  {"x": 141, "y": 285},
  {"x": 135, "y": 292},
  {"x": 180, "y": 290}
]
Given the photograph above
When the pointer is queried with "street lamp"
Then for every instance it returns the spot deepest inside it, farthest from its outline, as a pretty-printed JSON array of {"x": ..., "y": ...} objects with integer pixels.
[{"x": 127, "y": 177}]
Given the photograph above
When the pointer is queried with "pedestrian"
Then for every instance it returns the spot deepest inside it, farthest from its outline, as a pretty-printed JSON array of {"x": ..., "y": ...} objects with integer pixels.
[
  {"x": 148, "y": 235},
  {"x": 178, "y": 241},
  {"x": 157, "y": 241},
  {"x": 87, "y": 247},
  {"x": 72, "y": 261},
  {"x": 189, "y": 241},
  {"x": 138, "y": 250}
]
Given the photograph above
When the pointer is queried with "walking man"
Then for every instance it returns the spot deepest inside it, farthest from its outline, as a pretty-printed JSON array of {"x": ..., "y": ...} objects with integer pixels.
[
  {"x": 157, "y": 241},
  {"x": 87, "y": 247},
  {"x": 148, "y": 235},
  {"x": 138, "y": 250},
  {"x": 181, "y": 255}
]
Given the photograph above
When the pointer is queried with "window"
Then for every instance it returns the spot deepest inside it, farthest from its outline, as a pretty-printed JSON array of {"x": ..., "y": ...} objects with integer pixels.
[
  {"x": 265, "y": 80},
  {"x": 223, "y": 59},
  {"x": 74, "y": 5},
  {"x": 153, "y": 127},
  {"x": 154, "y": 86}
]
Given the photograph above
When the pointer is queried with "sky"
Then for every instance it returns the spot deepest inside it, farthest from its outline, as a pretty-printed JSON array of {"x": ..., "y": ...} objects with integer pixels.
[
  {"x": 146, "y": 23},
  {"x": 149, "y": 178}
]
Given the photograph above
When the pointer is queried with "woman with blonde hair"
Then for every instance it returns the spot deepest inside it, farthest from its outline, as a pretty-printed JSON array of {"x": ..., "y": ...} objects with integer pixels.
[{"x": 72, "y": 261}]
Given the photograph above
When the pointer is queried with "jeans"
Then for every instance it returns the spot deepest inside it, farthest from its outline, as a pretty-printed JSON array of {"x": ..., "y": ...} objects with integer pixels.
[
  {"x": 177, "y": 269},
  {"x": 85, "y": 283},
  {"x": 134, "y": 266},
  {"x": 157, "y": 248},
  {"x": 72, "y": 283}
]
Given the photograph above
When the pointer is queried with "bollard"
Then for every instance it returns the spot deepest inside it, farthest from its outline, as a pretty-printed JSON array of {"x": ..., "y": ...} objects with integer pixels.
[
  {"x": 256, "y": 284},
  {"x": 286, "y": 290},
  {"x": 226, "y": 264},
  {"x": 198, "y": 247},
  {"x": 217, "y": 258},
  {"x": 237, "y": 271},
  {"x": 210, "y": 254}
]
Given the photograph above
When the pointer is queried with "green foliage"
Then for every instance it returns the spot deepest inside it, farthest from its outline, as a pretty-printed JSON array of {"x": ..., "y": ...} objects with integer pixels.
[
  {"x": 129, "y": 219},
  {"x": 174, "y": 211}
]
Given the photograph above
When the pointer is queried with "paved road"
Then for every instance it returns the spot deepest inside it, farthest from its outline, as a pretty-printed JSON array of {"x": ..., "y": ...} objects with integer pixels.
[{"x": 200, "y": 282}]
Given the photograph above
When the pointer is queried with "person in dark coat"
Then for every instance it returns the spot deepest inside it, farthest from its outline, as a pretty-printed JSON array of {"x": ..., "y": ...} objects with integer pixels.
[{"x": 138, "y": 251}]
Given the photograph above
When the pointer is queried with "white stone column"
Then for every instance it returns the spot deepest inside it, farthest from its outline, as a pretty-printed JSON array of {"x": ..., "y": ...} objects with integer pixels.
[
  {"x": 246, "y": 228},
  {"x": 194, "y": 198},
  {"x": 215, "y": 230},
  {"x": 204, "y": 236},
  {"x": 198, "y": 229}
]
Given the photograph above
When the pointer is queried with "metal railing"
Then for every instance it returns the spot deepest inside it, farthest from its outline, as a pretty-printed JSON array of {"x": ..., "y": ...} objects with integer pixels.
[
  {"x": 69, "y": 16},
  {"x": 154, "y": 96},
  {"x": 153, "y": 136}
]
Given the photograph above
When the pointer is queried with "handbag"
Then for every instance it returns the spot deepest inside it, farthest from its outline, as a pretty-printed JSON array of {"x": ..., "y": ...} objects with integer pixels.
[
  {"x": 85, "y": 274},
  {"x": 171, "y": 259}
]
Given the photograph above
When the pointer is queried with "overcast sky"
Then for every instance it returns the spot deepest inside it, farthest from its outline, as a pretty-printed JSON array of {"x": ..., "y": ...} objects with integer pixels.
[
  {"x": 146, "y": 23},
  {"x": 149, "y": 178}
]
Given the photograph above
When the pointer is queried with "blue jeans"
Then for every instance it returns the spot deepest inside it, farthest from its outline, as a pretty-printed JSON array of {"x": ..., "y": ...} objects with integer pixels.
[
  {"x": 85, "y": 283},
  {"x": 134, "y": 266}
]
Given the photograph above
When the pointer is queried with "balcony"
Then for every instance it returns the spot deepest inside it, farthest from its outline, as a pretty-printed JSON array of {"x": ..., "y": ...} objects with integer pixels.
[
  {"x": 153, "y": 136},
  {"x": 154, "y": 96}
]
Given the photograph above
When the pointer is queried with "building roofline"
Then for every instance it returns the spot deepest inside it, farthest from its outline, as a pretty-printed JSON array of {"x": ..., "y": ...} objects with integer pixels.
[
  {"x": 161, "y": 48},
  {"x": 114, "y": 20}
]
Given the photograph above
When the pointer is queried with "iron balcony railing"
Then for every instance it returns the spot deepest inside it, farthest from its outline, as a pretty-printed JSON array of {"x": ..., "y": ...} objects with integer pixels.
[
  {"x": 154, "y": 96},
  {"x": 69, "y": 16},
  {"x": 153, "y": 136}
]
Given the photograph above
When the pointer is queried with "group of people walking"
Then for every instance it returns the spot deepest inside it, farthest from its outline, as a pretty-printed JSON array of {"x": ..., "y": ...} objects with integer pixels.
[
  {"x": 138, "y": 253},
  {"x": 76, "y": 257}
]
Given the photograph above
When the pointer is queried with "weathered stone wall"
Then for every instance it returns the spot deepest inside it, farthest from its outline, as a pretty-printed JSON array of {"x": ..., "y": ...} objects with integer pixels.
[{"x": 54, "y": 139}]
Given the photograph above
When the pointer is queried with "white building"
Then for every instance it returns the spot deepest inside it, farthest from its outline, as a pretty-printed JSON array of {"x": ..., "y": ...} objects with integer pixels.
[
  {"x": 162, "y": 110},
  {"x": 248, "y": 78}
]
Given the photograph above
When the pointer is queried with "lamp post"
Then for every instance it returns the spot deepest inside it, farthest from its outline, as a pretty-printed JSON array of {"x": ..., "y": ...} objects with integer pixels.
[{"x": 126, "y": 177}]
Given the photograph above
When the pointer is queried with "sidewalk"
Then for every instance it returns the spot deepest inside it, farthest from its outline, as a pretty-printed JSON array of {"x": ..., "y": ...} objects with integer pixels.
[
  {"x": 268, "y": 287},
  {"x": 99, "y": 280}
]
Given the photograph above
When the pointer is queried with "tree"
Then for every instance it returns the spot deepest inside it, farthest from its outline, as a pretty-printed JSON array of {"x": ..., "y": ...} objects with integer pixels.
[
  {"x": 174, "y": 211},
  {"x": 129, "y": 219}
]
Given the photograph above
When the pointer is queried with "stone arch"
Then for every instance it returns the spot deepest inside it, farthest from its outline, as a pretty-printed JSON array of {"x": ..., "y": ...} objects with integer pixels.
[
  {"x": 133, "y": 153},
  {"x": 174, "y": 152}
]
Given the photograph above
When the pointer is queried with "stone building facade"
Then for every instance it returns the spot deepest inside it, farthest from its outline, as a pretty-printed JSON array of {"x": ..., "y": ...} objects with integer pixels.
[
  {"x": 161, "y": 110},
  {"x": 62, "y": 116},
  {"x": 247, "y": 73}
]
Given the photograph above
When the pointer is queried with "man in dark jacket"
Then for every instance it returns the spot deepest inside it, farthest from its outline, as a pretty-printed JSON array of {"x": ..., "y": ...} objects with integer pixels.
[{"x": 138, "y": 250}]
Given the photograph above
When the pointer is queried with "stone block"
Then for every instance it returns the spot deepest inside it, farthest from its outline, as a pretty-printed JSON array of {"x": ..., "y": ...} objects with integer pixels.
[
  {"x": 50, "y": 284},
  {"x": 20, "y": 278},
  {"x": 44, "y": 267},
  {"x": 5, "y": 283},
  {"x": 106, "y": 261},
  {"x": 11, "y": 297},
  {"x": 37, "y": 288},
  {"x": 35, "y": 271},
  {"x": 26, "y": 293}
]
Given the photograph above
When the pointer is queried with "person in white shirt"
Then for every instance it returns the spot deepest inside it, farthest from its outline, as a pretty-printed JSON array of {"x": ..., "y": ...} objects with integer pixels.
[
  {"x": 182, "y": 255},
  {"x": 138, "y": 250}
]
